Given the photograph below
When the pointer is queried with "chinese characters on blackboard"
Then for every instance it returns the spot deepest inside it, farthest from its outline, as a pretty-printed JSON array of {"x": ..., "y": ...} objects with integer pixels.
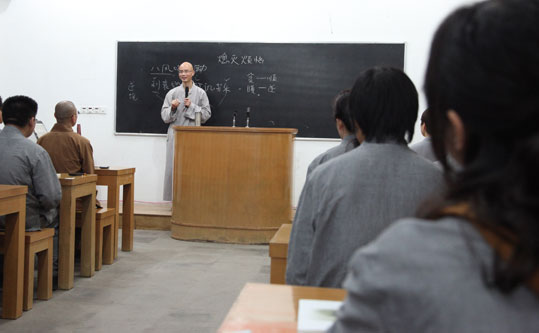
[
  {"x": 131, "y": 91},
  {"x": 224, "y": 59},
  {"x": 164, "y": 77}
]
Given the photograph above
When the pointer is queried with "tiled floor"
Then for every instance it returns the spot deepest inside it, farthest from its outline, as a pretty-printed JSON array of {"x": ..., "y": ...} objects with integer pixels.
[{"x": 164, "y": 285}]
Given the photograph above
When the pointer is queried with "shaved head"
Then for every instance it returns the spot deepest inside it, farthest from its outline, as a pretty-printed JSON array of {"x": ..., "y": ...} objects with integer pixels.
[
  {"x": 187, "y": 65},
  {"x": 64, "y": 110},
  {"x": 186, "y": 73}
]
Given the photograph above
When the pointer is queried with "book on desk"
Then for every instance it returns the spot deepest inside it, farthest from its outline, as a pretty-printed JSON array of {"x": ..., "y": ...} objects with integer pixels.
[{"x": 316, "y": 315}]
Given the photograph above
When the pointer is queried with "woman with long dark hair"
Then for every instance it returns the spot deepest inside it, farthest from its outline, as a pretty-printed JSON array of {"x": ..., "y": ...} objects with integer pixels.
[{"x": 471, "y": 264}]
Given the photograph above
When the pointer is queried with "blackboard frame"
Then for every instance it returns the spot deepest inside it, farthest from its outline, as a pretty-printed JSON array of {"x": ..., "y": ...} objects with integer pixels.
[{"x": 311, "y": 81}]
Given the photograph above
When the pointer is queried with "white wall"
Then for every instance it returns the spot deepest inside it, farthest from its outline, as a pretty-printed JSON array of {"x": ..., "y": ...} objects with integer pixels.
[{"x": 54, "y": 50}]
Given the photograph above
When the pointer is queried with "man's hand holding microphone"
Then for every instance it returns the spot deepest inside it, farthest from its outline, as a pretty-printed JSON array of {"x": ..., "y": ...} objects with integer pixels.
[{"x": 186, "y": 101}]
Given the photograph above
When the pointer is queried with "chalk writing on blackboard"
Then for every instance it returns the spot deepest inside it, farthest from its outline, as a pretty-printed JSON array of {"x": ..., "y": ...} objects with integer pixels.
[
  {"x": 220, "y": 87},
  {"x": 225, "y": 59},
  {"x": 131, "y": 91},
  {"x": 164, "y": 77},
  {"x": 200, "y": 68},
  {"x": 285, "y": 84},
  {"x": 172, "y": 70}
]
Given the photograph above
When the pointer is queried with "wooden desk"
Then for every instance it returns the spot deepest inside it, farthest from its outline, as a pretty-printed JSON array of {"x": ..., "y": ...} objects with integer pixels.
[
  {"x": 113, "y": 178},
  {"x": 272, "y": 308},
  {"x": 73, "y": 188},
  {"x": 278, "y": 251},
  {"x": 13, "y": 205}
]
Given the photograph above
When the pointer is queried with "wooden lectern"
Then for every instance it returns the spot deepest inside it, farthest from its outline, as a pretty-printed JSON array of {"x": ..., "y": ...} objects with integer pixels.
[{"x": 231, "y": 185}]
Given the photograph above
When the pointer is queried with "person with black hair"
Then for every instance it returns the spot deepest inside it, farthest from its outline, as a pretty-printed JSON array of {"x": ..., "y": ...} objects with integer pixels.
[
  {"x": 471, "y": 263},
  {"x": 347, "y": 201},
  {"x": 424, "y": 147},
  {"x": 26, "y": 163},
  {"x": 0, "y": 112},
  {"x": 345, "y": 128}
]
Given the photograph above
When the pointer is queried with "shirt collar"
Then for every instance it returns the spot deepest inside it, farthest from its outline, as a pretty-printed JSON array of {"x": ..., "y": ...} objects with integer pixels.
[
  {"x": 349, "y": 137},
  {"x": 61, "y": 128},
  {"x": 12, "y": 131}
]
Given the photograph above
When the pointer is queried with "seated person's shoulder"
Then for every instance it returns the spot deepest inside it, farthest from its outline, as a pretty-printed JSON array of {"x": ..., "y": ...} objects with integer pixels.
[
  {"x": 333, "y": 168},
  {"x": 39, "y": 151},
  {"x": 408, "y": 229},
  {"x": 425, "y": 165},
  {"x": 424, "y": 244},
  {"x": 84, "y": 140},
  {"x": 34, "y": 151},
  {"x": 76, "y": 137},
  {"x": 43, "y": 138}
]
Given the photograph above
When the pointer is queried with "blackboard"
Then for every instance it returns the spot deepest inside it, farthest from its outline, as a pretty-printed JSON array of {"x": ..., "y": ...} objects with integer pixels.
[{"x": 283, "y": 84}]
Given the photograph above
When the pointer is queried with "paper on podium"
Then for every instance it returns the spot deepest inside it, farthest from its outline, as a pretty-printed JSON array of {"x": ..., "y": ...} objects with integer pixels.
[{"x": 316, "y": 315}]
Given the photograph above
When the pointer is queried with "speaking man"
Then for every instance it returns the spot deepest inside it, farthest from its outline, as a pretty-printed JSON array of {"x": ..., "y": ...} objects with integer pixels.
[{"x": 180, "y": 108}]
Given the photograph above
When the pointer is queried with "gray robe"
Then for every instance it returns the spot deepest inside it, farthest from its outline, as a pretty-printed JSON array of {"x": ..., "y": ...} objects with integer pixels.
[
  {"x": 348, "y": 143},
  {"x": 428, "y": 276},
  {"x": 424, "y": 148},
  {"x": 181, "y": 117},
  {"x": 348, "y": 201},
  {"x": 22, "y": 162}
]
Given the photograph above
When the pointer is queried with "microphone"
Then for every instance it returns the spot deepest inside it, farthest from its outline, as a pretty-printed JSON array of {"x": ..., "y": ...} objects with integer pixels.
[
  {"x": 234, "y": 120},
  {"x": 186, "y": 94},
  {"x": 248, "y": 114}
]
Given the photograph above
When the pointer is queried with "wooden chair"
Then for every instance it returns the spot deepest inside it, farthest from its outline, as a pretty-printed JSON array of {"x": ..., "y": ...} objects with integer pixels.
[
  {"x": 40, "y": 243},
  {"x": 104, "y": 224},
  {"x": 104, "y": 240},
  {"x": 278, "y": 251}
]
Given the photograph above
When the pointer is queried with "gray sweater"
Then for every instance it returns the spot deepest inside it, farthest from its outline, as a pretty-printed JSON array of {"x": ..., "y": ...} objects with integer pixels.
[
  {"x": 348, "y": 143},
  {"x": 23, "y": 162},
  {"x": 424, "y": 148},
  {"x": 424, "y": 276},
  {"x": 348, "y": 201}
]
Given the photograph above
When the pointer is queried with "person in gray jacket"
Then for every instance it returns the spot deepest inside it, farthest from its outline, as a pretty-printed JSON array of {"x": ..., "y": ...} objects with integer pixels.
[
  {"x": 22, "y": 162},
  {"x": 349, "y": 200},
  {"x": 26, "y": 163},
  {"x": 0, "y": 112},
  {"x": 471, "y": 263},
  {"x": 424, "y": 147},
  {"x": 345, "y": 128}
]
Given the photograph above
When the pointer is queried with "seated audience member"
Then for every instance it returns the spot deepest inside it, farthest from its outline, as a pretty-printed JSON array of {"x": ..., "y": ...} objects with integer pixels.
[
  {"x": 69, "y": 151},
  {"x": 347, "y": 201},
  {"x": 25, "y": 163},
  {"x": 345, "y": 128},
  {"x": 0, "y": 112},
  {"x": 472, "y": 265},
  {"x": 424, "y": 147}
]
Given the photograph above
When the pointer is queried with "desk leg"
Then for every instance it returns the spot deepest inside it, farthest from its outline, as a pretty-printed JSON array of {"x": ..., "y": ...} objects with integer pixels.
[
  {"x": 128, "y": 217},
  {"x": 14, "y": 264},
  {"x": 113, "y": 199},
  {"x": 66, "y": 246},
  {"x": 87, "y": 259}
]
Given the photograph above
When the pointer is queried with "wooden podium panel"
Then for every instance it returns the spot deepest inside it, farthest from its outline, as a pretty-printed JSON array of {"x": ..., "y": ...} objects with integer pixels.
[{"x": 231, "y": 185}]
